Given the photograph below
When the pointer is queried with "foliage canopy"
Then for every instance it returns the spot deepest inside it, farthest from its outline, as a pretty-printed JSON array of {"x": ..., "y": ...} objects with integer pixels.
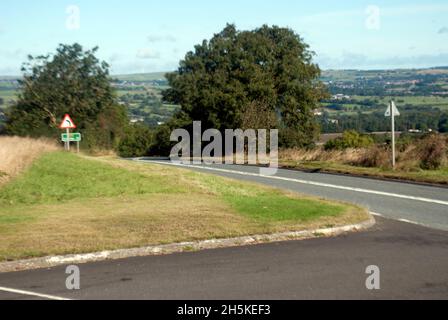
[
  {"x": 70, "y": 81},
  {"x": 240, "y": 74}
]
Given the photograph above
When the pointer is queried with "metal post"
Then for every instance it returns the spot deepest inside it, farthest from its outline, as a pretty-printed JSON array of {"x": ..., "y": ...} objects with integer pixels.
[
  {"x": 68, "y": 139},
  {"x": 77, "y": 146},
  {"x": 392, "y": 116}
]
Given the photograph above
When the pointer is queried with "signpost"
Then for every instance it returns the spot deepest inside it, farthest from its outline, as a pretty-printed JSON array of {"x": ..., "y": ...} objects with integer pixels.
[
  {"x": 392, "y": 112},
  {"x": 67, "y": 124},
  {"x": 75, "y": 137}
]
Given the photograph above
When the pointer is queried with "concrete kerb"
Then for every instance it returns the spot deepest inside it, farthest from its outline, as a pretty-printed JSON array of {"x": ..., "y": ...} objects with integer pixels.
[{"x": 53, "y": 261}]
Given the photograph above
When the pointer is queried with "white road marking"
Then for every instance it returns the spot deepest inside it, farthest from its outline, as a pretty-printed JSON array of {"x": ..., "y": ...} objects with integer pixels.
[
  {"x": 376, "y": 214},
  {"x": 411, "y": 222},
  {"x": 31, "y": 293},
  {"x": 320, "y": 184}
]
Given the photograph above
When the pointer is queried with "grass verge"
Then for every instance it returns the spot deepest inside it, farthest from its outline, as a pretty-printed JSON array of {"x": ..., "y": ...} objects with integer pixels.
[{"x": 66, "y": 203}]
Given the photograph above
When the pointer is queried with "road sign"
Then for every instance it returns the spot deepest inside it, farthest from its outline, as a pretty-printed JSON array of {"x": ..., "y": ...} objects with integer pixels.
[
  {"x": 74, "y": 137},
  {"x": 392, "y": 112},
  {"x": 67, "y": 123},
  {"x": 395, "y": 111}
]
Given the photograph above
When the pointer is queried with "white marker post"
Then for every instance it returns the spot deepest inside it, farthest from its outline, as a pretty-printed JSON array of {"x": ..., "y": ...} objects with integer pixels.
[{"x": 391, "y": 112}]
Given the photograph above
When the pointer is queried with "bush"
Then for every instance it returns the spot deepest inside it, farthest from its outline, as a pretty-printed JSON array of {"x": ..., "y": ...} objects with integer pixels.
[
  {"x": 432, "y": 151},
  {"x": 162, "y": 144},
  {"x": 376, "y": 156},
  {"x": 350, "y": 139},
  {"x": 136, "y": 143}
]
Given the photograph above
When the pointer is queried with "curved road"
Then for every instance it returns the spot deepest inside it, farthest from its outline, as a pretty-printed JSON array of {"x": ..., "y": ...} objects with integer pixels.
[{"x": 413, "y": 259}]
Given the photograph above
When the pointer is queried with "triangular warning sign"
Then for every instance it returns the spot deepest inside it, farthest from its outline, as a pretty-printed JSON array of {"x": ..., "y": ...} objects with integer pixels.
[
  {"x": 394, "y": 110},
  {"x": 67, "y": 123}
]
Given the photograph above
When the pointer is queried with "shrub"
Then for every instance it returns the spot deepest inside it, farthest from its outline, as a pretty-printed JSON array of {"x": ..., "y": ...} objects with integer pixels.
[
  {"x": 432, "y": 151},
  {"x": 136, "y": 142},
  {"x": 350, "y": 139},
  {"x": 376, "y": 156}
]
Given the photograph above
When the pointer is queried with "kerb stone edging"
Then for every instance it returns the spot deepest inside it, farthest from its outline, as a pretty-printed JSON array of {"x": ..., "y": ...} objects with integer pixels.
[{"x": 53, "y": 261}]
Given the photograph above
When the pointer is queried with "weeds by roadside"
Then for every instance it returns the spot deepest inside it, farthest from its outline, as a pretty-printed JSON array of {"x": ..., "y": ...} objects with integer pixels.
[{"x": 17, "y": 153}]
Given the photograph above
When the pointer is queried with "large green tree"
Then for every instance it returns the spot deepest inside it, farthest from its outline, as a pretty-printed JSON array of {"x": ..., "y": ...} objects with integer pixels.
[
  {"x": 70, "y": 81},
  {"x": 237, "y": 75}
]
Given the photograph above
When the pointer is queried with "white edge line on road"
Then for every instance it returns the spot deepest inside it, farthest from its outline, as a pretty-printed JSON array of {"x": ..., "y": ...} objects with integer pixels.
[
  {"x": 375, "y": 214},
  {"x": 31, "y": 293},
  {"x": 320, "y": 184}
]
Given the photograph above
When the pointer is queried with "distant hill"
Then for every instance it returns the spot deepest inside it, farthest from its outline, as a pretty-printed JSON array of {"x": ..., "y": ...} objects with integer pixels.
[
  {"x": 334, "y": 75},
  {"x": 352, "y": 75},
  {"x": 140, "y": 77},
  {"x": 9, "y": 78}
]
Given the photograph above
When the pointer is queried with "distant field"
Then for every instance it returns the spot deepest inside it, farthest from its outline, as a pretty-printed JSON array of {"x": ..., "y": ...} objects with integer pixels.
[
  {"x": 147, "y": 89},
  {"x": 8, "y": 96},
  {"x": 382, "y": 102},
  {"x": 430, "y": 101},
  {"x": 352, "y": 75},
  {"x": 140, "y": 77}
]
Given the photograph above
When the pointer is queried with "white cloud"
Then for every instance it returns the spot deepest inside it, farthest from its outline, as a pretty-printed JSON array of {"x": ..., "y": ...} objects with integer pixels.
[
  {"x": 443, "y": 30},
  {"x": 146, "y": 53},
  {"x": 161, "y": 38},
  {"x": 115, "y": 57}
]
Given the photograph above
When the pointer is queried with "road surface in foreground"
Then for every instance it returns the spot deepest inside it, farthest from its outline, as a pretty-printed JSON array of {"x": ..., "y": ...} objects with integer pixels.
[
  {"x": 413, "y": 262},
  {"x": 413, "y": 259}
]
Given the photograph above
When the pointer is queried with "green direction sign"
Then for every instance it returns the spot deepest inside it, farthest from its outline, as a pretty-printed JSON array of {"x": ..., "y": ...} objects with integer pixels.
[{"x": 74, "y": 137}]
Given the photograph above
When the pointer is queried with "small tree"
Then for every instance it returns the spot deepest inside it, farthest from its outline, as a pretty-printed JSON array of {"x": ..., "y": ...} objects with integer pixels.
[
  {"x": 70, "y": 81},
  {"x": 432, "y": 151},
  {"x": 349, "y": 139}
]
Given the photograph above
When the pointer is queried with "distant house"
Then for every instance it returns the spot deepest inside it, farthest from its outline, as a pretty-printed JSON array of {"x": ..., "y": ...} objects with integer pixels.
[
  {"x": 317, "y": 112},
  {"x": 333, "y": 121},
  {"x": 137, "y": 119},
  {"x": 340, "y": 96}
]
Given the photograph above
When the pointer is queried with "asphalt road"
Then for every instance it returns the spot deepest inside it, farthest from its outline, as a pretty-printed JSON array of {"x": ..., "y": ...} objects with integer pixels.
[
  {"x": 413, "y": 259},
  {"x": 413, "y": 262}
]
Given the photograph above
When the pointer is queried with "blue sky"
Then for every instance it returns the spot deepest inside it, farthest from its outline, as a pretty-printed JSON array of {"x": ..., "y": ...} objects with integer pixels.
[{"x": 148, "y": 36}]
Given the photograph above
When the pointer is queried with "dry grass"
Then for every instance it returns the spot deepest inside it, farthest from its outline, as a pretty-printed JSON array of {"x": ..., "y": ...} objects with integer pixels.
[
  {"x": 197, "y": 209},
  {"x": 110, "y": 223},
  {"x": 319, "y": 154},
  {"x": 374, "y": 161},
  {"x": 17, "y": 153}
]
